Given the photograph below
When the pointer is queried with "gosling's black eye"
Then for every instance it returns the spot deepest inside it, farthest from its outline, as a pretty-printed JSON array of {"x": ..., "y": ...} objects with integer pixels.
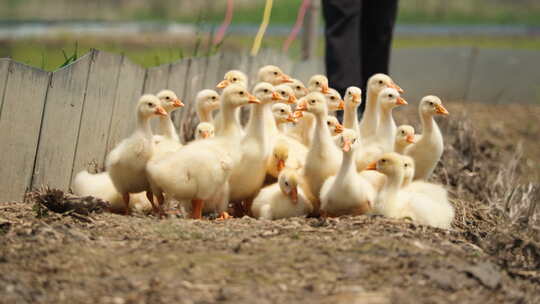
[
  {"x": 328, "y": 123},
  {"x": 298, "y": 87},
  {"x": 380, "y": 82},
  {"x": 431, "y": 102},
  {"x": 234, "y": 79},
  {"x": 332, "y": 97},
  {"x": 287, "y": 184},
  {"x": 391, "y": 95},
  {"x": 167, "y": 98},
  {"x": 403, "y": 132},
  {"x": 317, "y": 83},
  {"x": 213, "y": 97},
  {"x": 283, "y": 93},
  {"x": 266, "y": 90},
  {"x": 312, "y": 101},
  {"x": 282, "y": 111},
  {"x": 406, "y": 165},
  {"x": 383, "y": 160},
  {"x": 200, "y": 131},
  {"x": 241, "y": 93},
  {"x": 275, "y": 73},
  {"x": 350, "y": 93}
]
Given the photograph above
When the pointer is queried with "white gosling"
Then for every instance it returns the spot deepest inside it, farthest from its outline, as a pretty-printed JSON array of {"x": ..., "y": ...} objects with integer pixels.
[
  {"x": 404, "y": 138},
  {"x": 334, "y": 101},
  {"x": 427, "y": 151},
  {"x": 370, "y": 120},
  {"x": 347, "y": 192},
  {"x": 199, "y": 171},
  {"x": 284, "y": 199},
  {"x": 318, "y": 83},
  {"x": 126, "y": 163},
  {"x": 248, "y": 175},
  {"x": 273, "y": 75},
  {"x": 299, "y": 88},
  {"x": 204, "y": 130},
  {"x": 282, "y": 116},
  {"x": 324, "y": 158},
  {"x": 233, "y": 77},
  {"x": 383, "y": 142},
  {"x": 422, "y": 207},
  {"x": 353, "y": 99},
  {"x": 206, "y": 102}
]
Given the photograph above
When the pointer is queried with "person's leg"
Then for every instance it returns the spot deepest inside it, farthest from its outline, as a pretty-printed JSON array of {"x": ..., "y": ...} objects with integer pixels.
[
  {"x": 342, "y": 56},
  {"x": 377, "y": 26}
]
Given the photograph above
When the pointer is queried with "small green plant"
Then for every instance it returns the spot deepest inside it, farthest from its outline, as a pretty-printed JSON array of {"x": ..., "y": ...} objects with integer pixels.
[{"x": 72, "y": 58}]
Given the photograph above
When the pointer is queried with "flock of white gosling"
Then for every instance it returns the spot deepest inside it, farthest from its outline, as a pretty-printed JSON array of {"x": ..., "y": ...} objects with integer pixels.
[{"x": 322, "y": 168}]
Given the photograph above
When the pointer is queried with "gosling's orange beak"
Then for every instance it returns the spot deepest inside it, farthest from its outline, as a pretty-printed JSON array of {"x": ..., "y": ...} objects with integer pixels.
[
  {"x": 395, "y": 86},
  {"x": 347, "y": 145},
  {"x": 178, "y": 103},
  {"x": 285, "y": 78},
  {"x": 291, "y": 118},
  {"x": 401, "y": 101},
  {"x": 298, "y": 114},
  {"x": 324, "y": 88},
  {"x": 291, "y": 100},
  {"x": 294, "y": 195},
  {"x": 253, "y": 99},
  {"x": 356, "y": 98},
  {"x": 280, "y": 165},
  {"x": 339, "y": 128},
  {"x": 372, "y": 166},
  {"x": 341, "y": 105},
  {"x": 205, "y": 134},
  {"x": 160, "y": 111},
  {"x": 302, "y": 106},
  {"x": 223, "y": 84},
  {"x": 410, "y": 139},
  {"x": 441, "y": 110},
  {"x": 275, "y": 96}
]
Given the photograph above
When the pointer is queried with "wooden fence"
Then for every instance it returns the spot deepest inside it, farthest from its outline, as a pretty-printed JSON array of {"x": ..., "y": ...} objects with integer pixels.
[{"x": 54, "y": 124}]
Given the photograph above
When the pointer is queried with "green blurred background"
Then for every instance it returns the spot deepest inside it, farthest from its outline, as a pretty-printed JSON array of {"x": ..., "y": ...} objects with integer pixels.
[{"x": 49, "y": 51}]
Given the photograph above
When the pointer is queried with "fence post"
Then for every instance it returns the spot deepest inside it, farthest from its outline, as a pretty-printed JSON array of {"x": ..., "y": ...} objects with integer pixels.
[{"x": 310, "y": 31}]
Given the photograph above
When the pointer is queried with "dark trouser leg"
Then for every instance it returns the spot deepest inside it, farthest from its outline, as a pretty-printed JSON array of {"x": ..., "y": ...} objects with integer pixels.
[
  {"x": 342, "y": 57},
  {"x": 377, "y": 26}
]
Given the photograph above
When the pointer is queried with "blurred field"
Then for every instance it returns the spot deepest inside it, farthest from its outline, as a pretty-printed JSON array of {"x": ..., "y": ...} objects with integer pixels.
[
  {"x": 250, "y": 11},
  {"x": 152, "y": 50}
]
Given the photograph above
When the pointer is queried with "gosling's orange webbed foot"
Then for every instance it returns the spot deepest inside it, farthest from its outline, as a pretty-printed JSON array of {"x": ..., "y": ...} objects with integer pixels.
[
  {"x": 224, "y": 216},
  {"x": 196, "y": 208},
  {"x": 125, "y": 197}
]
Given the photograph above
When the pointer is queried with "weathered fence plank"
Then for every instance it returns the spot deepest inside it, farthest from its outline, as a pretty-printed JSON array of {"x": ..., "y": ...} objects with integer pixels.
[
  {"x": 157, "y": 79},
  {"x": 505, "y": 76},
  {"x": 211, "y": 75},
  {"x": 60, "y": 126},
  {"x": 20, "y": 125},
  {"x": 4, "y": 65},
  {"x": 194, "y": 83},
  {"x": 130, "y": 87},
  {"x": 97, "y": 110},
  {"x": 303, "y": 70},
  {"x": 438, "y": 71},
  {"x": 177, "y": 83}
]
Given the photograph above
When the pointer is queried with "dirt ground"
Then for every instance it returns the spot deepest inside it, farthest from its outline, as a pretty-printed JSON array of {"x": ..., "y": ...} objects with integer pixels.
[{"x": 491, "y": 254}]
